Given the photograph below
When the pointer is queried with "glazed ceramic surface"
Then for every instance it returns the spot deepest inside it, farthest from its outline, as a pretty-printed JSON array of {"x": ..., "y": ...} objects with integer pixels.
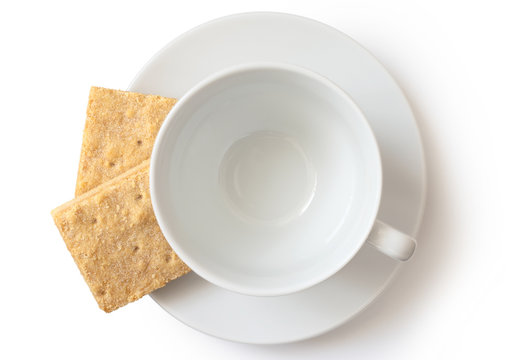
[
  {"x": 282, "y": 38},
  {"x": 266, "y": 178}
]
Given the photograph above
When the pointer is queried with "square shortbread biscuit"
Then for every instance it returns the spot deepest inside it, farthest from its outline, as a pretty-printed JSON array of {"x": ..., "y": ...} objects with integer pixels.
[
  {"x": 114, "y": 238},
  {"x": 119, "y": 134}
]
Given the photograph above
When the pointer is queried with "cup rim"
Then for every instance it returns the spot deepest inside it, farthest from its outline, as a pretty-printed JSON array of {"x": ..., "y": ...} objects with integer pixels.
[{"x": 161, "y": 218}]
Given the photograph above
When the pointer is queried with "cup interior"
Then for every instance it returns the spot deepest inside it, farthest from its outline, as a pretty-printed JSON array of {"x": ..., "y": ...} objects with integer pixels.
[{"x": 265, "y": 179}]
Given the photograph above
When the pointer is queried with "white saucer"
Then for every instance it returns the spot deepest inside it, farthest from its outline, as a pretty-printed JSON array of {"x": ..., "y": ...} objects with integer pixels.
[{"x": 256, "y": 37}]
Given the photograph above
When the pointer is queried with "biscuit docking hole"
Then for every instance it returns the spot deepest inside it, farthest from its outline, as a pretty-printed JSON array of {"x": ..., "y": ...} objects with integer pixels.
[
  {"x": 139, "y": 142},
  {"x": 111, "y": 164},
  {"x": 135, "y": 248},
  {"x": 139, "y": 197},
  {"x": 94, "y": 220},
  {"x": 168, "y": 258}
]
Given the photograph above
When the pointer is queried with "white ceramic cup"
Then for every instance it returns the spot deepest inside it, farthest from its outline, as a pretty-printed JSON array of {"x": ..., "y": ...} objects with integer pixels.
[{"x": 266, "y": 179}]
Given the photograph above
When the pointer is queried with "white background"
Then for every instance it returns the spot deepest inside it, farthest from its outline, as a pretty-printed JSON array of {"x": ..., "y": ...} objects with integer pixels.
[{"x": 462, "y": 65}]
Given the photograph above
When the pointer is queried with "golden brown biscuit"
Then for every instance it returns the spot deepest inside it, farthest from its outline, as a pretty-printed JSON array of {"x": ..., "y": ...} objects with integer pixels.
[
  {"x": 119, "y": 134},
  {"x": 114, "y": 238}
]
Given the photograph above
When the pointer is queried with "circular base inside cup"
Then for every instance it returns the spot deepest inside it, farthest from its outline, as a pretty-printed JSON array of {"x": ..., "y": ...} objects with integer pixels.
[{"x": 266, "y": 177}]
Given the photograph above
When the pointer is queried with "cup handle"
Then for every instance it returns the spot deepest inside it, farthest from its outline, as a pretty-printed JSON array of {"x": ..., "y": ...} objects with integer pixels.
[{"x": 391, "y": 242}]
